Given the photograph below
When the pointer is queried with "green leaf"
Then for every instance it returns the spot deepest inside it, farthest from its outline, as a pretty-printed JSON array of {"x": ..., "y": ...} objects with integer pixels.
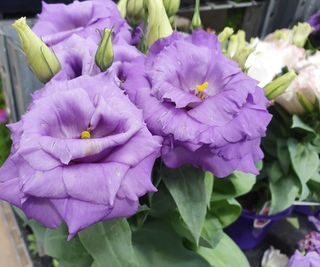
[
  {"x": 212, "y": 231},
  {"x": 304, "y": 158},
  {"x": 283, "y": 155},
  {"x": 299, "y": 124},
  {"x": 187, "y": 187},
  {"x": 110, "y": 243},
  {"x": 162, "y": 203},
  {"x": 275, "y": 172},
  {"x": 237, "y": 184},
  {"x": 305, "y": 162},
  {"x": 225, "y": 254},
  {"x": 208, "y": 182},
  {"x": 227, "y": 211},
  {"x": 283, "y": 193},
  {"x": 37, "y": 229},
  {"x": 68, "y": 253},
  {"x": 157, "y": 245}
]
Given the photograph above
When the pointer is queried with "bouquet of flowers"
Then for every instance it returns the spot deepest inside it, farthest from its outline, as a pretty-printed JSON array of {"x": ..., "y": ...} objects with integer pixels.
[{"x": 142, "y": 137}]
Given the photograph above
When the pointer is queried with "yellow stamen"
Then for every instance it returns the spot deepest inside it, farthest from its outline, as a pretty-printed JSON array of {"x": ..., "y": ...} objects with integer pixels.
[
  {"x": 85, "y": 135},
  {"x": 202, "y": 87}
]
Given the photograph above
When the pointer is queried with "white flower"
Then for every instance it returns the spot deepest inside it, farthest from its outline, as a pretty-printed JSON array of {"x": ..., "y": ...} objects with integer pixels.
[
  {"x": 269, "y": 58},
  {"x": 303, "y": 92},
  {"x": 273, "y": 258}
]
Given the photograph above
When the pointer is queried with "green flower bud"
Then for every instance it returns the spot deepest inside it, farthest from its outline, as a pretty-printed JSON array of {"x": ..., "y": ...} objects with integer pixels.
[
  {"x": 232, "y": 46},
  {"x": 301, "y": 33},
  {"x": 135, "y": 11},
  {"x": 225, "y": 35},
  {"x": 171, "y": 6},
  {"x": 283, "y": 34},
  {"x": 279, "y": 85},
  {"x": 236, "y": 43},
  {"x": 40, "y": 57},
  {"x": 242, "y": 55},
  {"x": 308, "y": 106},
  {"x": 104, "y": 54},
  {"x": 122, "y": 6},
  {"x": 196, "y": 19},
  {"x": 158, "y": 22}
]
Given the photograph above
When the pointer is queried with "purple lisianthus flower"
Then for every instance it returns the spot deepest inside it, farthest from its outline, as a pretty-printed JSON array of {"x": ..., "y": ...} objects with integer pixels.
[
  {"x": 81, "y": 154},
  {"x": 311, "y": 259},
  {"x": 311, "y": 243},
  {"x": 210, "y": 113},
  {"x": 57, "y": 22},
  {"x": 77, "y": 57},
  {"x": 314, "y": 21}
]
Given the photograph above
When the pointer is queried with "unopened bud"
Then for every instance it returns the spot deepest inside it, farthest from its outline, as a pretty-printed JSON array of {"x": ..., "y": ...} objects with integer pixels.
[
  {"x": 196, "y": 19},
  {"x": 40, "y": 57},
  {"x": 135, "y": 11},
  {"x": 122, "y": 6},
  {"x": 279, "y": 85},
  {"x": 225, "y": 34},
  {"x": 104, "y": 54},
  {"x": 171, "y": 6},
  {"x": 301, "y": 33},
  {"x": 307, "y": 105},
  {"x": 158, "y": 22}
]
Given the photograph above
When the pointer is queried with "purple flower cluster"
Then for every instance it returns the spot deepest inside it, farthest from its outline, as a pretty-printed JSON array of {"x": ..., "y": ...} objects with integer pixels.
[
  {"x": 84, "y": 152},
  {"x": 210, "y": 114}
]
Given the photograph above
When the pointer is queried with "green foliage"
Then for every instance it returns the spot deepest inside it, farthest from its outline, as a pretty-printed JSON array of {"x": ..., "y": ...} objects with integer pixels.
[
  {"x": 110, "y": 243},
  {"x": 158, "y": 245},
  {"x": 235, "y": 185},
  {"x": 187, "y": 187},
  {"x": 284, "y": 192},
  {"x": 69, "y": 253},
  {"x": 291, "y": 161},
  {"x": 225, "y": 254}
]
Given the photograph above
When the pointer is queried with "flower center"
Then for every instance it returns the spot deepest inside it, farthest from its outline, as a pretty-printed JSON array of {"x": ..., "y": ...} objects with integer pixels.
[
  {"x": 87, "y": 133},
  {"x": 200, "y": 88}
]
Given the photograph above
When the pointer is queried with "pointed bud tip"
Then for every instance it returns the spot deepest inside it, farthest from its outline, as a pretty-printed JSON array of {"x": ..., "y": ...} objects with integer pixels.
[
  {"x": 105, "y": 55},
  {"x": 20, "y": 23},
  {"x": 41, "y": 58}
]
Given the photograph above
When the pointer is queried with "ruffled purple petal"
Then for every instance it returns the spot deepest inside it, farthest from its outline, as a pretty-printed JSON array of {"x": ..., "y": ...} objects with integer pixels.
[{"x": 57, "y": 22}]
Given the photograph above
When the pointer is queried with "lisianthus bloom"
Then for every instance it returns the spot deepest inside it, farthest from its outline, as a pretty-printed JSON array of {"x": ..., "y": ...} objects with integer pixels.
[
  {"x": 311, "y": 243},
  {"x": 57, "y": 22},
  {"x": 81, "y": 154},
  {"x": 314, "y": 21},
  {"x": 269, "y": 58},
  {"x": 210, "y": 113},
  {"x": 303, "y": 93},
  {"x": 77, "y": 57},
  {"x": 311, "y": 259}
]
